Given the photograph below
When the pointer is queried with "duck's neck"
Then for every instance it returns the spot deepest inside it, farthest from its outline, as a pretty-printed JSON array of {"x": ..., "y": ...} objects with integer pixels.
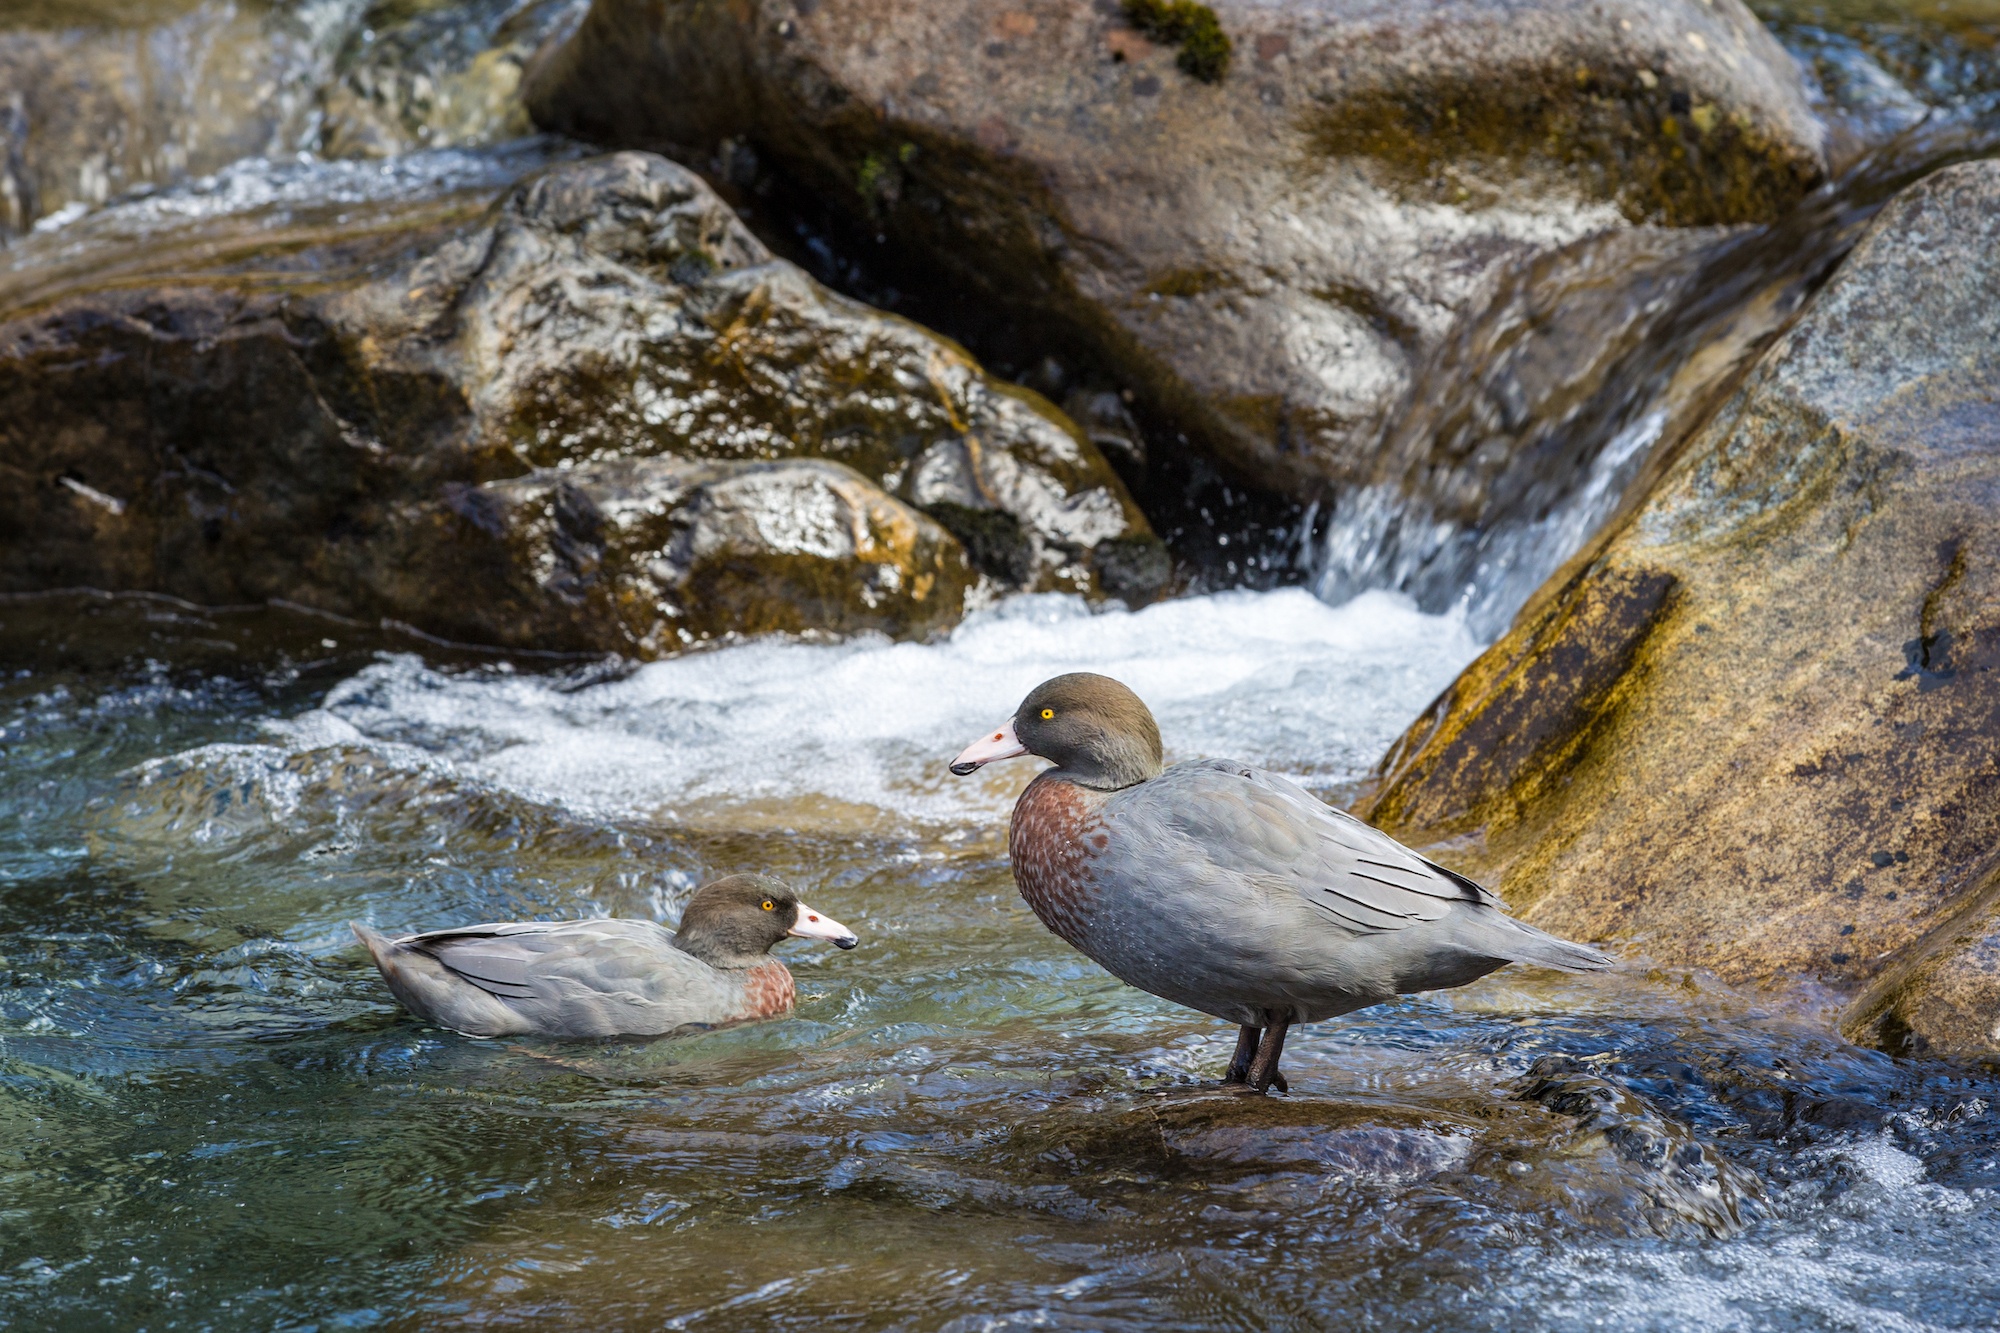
[
  {"x": 1111, "y": 767},
  {"x": 719, "y": 948}
]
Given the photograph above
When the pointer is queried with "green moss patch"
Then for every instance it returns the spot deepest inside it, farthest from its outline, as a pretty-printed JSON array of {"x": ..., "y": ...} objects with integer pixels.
[
  {"x": 1654, "y": 151},
  {"x": 1204, "y": 46}
]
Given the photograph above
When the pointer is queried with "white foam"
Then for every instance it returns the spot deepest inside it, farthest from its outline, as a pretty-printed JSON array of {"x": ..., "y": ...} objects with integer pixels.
[
  {"x": 1884, "y": 1163},
  {"x": 1845, "y": 1260},
  {"x": 1278, "y": 678}
]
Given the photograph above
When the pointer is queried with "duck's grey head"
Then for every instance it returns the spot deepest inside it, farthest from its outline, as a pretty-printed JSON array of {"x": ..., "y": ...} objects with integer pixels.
[
  {"x": 1095, "y": 730},
  {"x": 733, "y": 922}
]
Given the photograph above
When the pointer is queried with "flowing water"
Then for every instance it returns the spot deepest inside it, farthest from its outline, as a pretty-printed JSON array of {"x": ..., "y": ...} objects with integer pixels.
[
  {"x": 1585, "y": 376},
  {"x": 213, "y": 1116}
]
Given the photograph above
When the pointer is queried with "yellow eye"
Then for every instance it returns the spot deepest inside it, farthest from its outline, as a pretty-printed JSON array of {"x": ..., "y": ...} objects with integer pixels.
[
  {"x": 770, "y": 906},
  {"x": 1048, "y": 713}
]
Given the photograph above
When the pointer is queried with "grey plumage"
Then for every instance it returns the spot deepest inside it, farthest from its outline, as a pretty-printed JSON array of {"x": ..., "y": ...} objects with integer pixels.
[
  {"x": 555, "y": 979},
  {"x": 1286, "y": 903},
  {"x": 1229, "y": 889},
  {"x": 608, "y": 978}
]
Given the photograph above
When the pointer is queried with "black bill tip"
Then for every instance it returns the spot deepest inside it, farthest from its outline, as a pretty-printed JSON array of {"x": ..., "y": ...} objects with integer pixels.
[{"x": 965, "y": 770}]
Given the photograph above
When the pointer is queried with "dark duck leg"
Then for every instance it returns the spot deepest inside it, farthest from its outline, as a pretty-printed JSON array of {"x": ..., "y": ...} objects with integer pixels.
[
  {"x": 1264, "y": 1069},
  {"x": 1246, "y": 1050}
]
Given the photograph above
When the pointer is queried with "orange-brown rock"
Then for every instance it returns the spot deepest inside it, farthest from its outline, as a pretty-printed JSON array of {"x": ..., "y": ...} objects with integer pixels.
[{"x": 1757, "y": 727}]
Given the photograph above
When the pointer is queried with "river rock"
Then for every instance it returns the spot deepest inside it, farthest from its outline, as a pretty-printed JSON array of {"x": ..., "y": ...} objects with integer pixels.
[
  {"x": 648, "y": 551},
  {"x": 1264, "y": 253},
  {"x": 98, "y": 98},
  {"x": 436, "y": 74},
  {"x": 593, "y": 415},
  {"x": 1756, "y": 727}
]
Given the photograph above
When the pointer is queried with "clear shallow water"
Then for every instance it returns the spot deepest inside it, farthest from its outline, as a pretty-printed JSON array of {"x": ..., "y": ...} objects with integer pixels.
[{"x": 212, "y": 1117}]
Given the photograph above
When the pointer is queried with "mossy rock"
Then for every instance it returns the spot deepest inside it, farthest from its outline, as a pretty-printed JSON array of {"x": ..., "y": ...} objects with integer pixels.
[
  {"x": 1204, "y": 46},
  {"x": 591, "y": 414}
]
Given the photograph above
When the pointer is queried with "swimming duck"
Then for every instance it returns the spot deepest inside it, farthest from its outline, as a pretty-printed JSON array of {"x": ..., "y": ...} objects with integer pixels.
[
  {"x": 1230, "y": 889},
  {"x": 610, "y": 978}
]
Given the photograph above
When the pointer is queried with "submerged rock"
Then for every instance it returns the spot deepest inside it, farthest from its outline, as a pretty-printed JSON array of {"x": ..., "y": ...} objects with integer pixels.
[
  {"x": 595, "y": 415},
  {"x": 1265, "y": 256},
  {"x": 1757, "y": 728},
  {"x": 1620, "y": 1158}
]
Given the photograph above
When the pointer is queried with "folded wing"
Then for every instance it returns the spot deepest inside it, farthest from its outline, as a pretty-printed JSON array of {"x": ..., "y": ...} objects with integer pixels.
[
  {"x": 1273, "y": 832},
  {"x": 548, "y": 962}
]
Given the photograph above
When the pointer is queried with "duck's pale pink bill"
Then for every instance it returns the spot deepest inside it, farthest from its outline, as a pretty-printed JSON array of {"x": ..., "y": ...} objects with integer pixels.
[
  {"x": 1002, "y": 744},
  {"x": 813, "y": 926}
]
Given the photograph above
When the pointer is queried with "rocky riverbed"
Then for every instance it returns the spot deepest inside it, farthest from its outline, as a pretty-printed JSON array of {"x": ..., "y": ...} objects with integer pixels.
[{"x": 466, "y": 459}]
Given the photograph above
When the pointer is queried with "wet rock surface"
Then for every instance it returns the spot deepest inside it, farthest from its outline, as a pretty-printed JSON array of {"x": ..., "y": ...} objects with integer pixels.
[
  {"x": 598, "y": 403},
  {"x": 1266, "y": 258},
  {"x": 105, "y": 97},
  {"x": 96, "y": 99},
  {"x": 1758, "y": 728},
  {"x": 634, "y": 550},
  {"x": 435, "y": 74}
]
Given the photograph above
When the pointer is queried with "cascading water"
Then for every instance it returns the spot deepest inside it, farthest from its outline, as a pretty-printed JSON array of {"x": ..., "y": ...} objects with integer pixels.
[{"x": 1517, "y": 444}]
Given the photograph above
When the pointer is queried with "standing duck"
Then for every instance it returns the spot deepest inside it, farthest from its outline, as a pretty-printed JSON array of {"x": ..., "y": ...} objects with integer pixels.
[
  {"x": 609, "y": 978},
  {"x": 1229, "y": 889}
]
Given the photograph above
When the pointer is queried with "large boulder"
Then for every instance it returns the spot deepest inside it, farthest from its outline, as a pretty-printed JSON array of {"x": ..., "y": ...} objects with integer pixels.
[
  {"x": 593, "y": 415},
  {"x": 1757, "y": 727},
  {"x": 1265, "y": 252}
]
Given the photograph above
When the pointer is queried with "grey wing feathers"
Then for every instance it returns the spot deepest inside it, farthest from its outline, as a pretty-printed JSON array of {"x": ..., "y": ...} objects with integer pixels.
[
  {"x": 514, "y": 959},
  {"x": 1357, "y": 875}
]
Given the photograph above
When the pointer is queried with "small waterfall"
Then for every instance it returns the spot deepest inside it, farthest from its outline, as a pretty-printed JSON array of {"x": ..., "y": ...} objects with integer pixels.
[
  {"x": 1375, "y": 537},
  {"x": 1585, "y": 372}
]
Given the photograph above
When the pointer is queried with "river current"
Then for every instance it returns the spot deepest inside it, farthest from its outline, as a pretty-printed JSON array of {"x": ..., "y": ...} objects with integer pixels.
[{"x": 213, "y": 1116}]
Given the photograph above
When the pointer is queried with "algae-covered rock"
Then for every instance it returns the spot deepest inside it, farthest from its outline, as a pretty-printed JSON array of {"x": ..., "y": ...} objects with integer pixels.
[
  {"x": 1264, "y": 256},
  {"x": 595, "y": 414},
  {"x": 1757, "y": 728}
]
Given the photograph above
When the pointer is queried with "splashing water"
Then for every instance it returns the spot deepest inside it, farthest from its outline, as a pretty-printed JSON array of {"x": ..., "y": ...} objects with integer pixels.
[{"x": 1279, "y": 676}]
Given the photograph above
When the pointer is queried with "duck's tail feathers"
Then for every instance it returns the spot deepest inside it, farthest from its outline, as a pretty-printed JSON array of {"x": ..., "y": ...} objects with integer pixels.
[
  {"x": 1541, "y": 949},
  {"x": 378, "y": 944}
]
